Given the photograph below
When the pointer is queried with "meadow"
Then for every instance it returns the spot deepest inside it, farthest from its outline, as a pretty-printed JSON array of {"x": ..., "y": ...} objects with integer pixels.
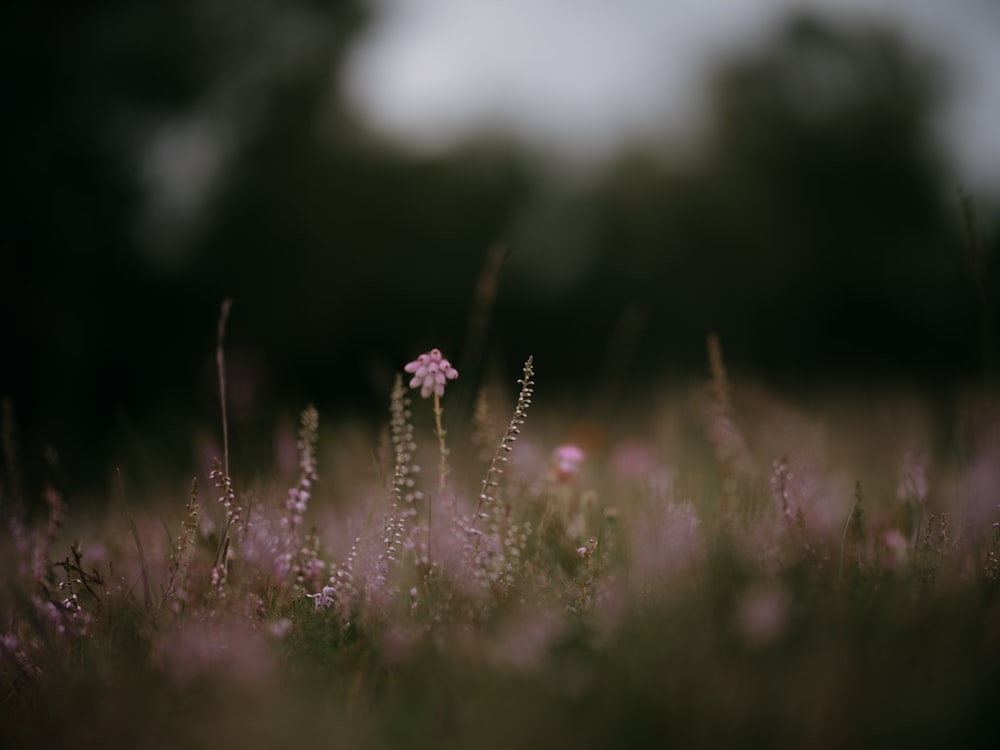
[{"x": 712, "y": 565}]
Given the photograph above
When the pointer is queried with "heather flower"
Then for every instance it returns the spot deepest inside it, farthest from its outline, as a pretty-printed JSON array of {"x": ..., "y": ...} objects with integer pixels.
[
  {"x": 633, "y": 459},
  {"x": 10, "y": 648},
  {"x": 495, "y": 552},
  {"x": 780, "y": 479},
  {"x": 280, "y": 628},
  {"x": 525, "y": 638},
  {"x": 430, "y": 373},
  {"x": 567, "y": 460},
  {"x": 229, "y": 646},
  {"x": 895, "y": 549},
  {"x": 666, "y": 546}
]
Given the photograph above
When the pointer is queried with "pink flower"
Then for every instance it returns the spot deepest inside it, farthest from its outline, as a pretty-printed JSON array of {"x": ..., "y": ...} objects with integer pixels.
[
  {"x": 895, "y": 549},
  {"x": 430, "y": 372},
  {"x": 633, "y": 460},
  {"x": 567, "y": 461}
]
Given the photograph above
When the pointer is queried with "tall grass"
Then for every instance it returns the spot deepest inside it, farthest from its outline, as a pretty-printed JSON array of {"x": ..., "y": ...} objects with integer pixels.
[{"x": 719, "y": 568}]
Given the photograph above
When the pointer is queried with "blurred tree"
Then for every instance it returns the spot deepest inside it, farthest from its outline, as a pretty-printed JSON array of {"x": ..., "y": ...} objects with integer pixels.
[
  {"x": 93, "y": 330},
  {"x": 161, "y": 156},
  {"x": 818, "y": 233}
]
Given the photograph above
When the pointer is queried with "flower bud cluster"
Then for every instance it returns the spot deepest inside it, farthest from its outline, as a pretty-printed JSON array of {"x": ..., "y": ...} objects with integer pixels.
[
  {"x": 340, "y": 589},
  {"x": 430, "y": 373}
]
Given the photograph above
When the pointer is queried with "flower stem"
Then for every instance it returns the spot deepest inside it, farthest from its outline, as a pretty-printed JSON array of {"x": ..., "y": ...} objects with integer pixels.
[
  {"x": 443, "y": 468},
  {"x": 443, "y": 471}
]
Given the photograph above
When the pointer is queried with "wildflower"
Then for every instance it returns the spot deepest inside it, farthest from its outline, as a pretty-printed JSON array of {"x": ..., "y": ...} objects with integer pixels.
[
  {"x": 280, "y": 628},
  {"x": 780, "y": 479},
  {"x": 633, "y": 459},
  {"x": 430, "y": 373},
  {"x": 324, "y": 598},
  {"x": 567, "y": 461},
  {"x": 895, "y": 549},
  {"x": 525, "y": 638},
  {"x": 666, "y": 546}
]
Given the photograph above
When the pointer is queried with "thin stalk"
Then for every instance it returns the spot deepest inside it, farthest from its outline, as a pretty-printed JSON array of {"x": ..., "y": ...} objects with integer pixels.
[
  {"x": 220, "y": 361},
  {"x": 855, "y": 511},
  {"x": 442, "y": 468},
  {"x": 147, "y": 591}
]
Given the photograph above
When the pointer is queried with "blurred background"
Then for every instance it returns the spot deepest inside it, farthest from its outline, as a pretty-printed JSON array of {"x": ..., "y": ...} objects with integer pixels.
[{"x": 598, "y": 184}]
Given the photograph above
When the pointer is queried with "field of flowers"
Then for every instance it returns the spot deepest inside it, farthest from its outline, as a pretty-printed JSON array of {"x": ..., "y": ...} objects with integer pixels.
[{"x": 713, "y": 566}]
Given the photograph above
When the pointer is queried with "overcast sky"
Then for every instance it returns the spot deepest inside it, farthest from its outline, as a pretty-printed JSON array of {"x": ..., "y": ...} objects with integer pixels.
[{"x": 577, "y": 77}]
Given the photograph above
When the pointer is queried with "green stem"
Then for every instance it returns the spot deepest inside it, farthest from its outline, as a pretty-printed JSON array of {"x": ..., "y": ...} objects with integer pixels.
[
  {"x": 855, "y": 510},
  {"x": 843, "y": 544},
  {"x": 443, "y": 467}
]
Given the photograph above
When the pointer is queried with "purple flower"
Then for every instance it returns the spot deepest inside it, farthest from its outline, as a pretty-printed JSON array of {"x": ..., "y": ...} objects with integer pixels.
[{"x": 430, "y": 372}]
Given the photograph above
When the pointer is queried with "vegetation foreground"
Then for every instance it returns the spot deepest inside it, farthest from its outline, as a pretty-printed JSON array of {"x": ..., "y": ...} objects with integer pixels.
[{"x": 731, "y": 572}]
